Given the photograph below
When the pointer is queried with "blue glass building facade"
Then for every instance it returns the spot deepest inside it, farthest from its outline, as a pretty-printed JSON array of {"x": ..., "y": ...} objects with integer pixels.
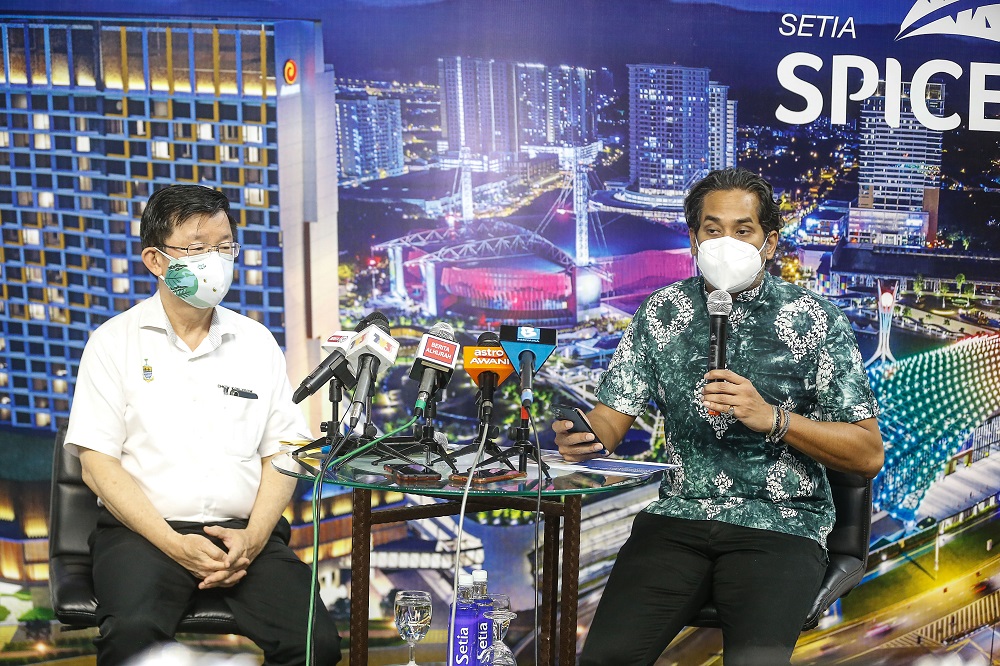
[{"x": 95, "y": 115}]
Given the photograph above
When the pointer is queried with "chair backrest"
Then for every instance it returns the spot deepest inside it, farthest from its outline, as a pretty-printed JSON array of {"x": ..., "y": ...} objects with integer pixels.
[
  {"x": 72, "y": 517},
  {"x": 847, "y": 546},
  {"x": 847, "y": 543}
]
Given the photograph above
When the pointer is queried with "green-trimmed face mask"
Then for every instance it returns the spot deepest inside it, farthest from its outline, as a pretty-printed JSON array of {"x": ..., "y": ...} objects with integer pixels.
[{"x": 201, "y": 281}]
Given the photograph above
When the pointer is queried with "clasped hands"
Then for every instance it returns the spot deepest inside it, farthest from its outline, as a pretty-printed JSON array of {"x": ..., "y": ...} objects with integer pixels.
[{"x": 213, "y": 565}]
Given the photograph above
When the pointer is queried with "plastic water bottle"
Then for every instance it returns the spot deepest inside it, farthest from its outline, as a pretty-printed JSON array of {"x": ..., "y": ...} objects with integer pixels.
[
  {"x": 484, "y": 626},
  {"x": 463, "y": 652}
]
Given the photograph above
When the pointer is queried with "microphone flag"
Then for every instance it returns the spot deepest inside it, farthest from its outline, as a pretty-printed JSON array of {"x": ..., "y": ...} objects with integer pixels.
[
  {"x": 541, "y": 342},
  {"x": 478, "y": 360}
]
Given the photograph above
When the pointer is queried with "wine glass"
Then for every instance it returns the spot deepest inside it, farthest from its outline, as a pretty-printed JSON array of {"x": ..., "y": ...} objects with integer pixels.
[
  {"x": 413, "y": 617},
  {"x": 498, "y": 654}
]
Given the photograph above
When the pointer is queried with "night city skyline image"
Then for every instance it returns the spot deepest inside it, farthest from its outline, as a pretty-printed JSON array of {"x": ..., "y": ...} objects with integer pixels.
[{"x": 493, "y": 163}]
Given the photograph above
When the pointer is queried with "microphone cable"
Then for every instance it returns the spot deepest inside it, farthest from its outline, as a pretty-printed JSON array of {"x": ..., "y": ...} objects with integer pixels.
[
  {"x": 330, "y": 461},
  {"x": 538, "y": 512},
  {"x": 481, "y": 447}
]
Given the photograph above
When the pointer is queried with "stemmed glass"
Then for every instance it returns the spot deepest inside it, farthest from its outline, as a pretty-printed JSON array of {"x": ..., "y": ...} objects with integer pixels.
[
  {"x": 413, "y": 617},
  {"x": 498, "y": 654}
]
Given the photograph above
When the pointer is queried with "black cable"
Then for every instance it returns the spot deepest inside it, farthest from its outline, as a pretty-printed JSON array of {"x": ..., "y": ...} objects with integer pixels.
[{"x": 538, "y": 512}]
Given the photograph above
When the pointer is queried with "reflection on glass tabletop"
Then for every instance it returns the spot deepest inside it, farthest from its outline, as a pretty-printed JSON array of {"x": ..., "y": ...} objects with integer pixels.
[{"x": 408, "y": 471}]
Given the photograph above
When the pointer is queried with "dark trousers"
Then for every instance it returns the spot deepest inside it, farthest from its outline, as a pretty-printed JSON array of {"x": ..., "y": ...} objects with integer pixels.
[
  {"x": 143, "y": 594},
  {"x": 763, "y": 584}
]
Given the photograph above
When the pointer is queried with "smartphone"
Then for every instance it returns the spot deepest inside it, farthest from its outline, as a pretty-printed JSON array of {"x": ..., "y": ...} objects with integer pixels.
[
  {"x": 580, "y": 423},
  {"x": 412, "y": 473},
  {"x": 491, "y": 475}
]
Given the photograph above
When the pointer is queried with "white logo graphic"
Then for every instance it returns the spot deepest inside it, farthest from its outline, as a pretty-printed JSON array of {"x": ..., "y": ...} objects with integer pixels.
[
  {"x": 528, "y": 333},
  {"x": 952, "y": 17}
]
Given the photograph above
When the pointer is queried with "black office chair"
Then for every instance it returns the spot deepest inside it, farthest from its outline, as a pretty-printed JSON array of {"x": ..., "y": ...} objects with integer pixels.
[
  {"x": 72, "y": 517},
  {"x": 847, "y": 546}
]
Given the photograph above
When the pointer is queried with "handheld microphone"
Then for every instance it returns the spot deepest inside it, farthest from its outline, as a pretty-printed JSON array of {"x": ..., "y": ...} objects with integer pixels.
[
  {"x": 435, "y": 363},
  {"x": 489, "y": 367},
  {"x": 334, "y": 365},
  {"x": 720, "y": 305},
  {"x": 368, "y": 351},
  {"x": 528, "y": 347}
]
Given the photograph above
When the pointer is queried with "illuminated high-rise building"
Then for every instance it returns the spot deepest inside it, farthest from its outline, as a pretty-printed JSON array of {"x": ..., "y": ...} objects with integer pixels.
[
  {"x": 900, "y": 171},
  {"x": 97, "y": 113},
  {"x": 370, "y": 138},
  {"x": 668, "y": 127},
  {"x": 532, "y": 85},
  {"x": 478, "y": 106},
  {"x": 721, "y": 127},
  {"x": 572, "y": 106}
]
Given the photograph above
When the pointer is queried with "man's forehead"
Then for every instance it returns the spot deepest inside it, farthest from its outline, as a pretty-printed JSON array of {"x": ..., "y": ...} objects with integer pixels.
[
  {"x": 202, "y": 224},
  {"x": 730, "y": 206}
]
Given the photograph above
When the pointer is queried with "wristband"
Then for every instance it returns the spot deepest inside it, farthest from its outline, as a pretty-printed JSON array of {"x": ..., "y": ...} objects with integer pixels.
[
  {"x": 775, "y": 423},
  {"x": 786, "y": 421}
]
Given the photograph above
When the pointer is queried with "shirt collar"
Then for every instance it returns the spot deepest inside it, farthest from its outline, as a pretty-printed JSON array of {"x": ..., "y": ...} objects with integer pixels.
[
  {"x": 153, "y": 316},
  {"x": 755, "y": 295}
]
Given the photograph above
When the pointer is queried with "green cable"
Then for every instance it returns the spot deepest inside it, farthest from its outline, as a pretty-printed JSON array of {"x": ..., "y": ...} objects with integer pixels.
[{"x": 317, "y": 482}]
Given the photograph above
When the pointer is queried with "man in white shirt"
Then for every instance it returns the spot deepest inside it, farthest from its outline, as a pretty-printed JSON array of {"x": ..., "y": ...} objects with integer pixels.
[{"x": 179, "y": 406}]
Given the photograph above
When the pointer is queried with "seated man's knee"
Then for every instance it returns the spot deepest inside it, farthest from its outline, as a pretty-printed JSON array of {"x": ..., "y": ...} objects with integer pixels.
[
  {"x": 127, "y": 635},
  {"x": 326, "y": 648}
]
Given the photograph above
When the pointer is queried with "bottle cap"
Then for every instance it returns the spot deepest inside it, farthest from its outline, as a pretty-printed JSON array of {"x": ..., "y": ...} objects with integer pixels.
[
  {"x": 480, "y": 576},
  {"x": 465, "y": 580}
]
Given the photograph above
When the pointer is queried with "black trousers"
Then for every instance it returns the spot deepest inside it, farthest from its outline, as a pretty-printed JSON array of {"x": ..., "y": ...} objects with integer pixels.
[
  {"x": 142, "y": 595},
  {"x": 762, "y": 583}
]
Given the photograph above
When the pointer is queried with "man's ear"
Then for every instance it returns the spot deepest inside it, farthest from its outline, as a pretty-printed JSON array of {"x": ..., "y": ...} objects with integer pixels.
[
  {"x": 772, "y": 245},
  {"x": 693, "y": 236},
  {"x": 154, "y": 261}
]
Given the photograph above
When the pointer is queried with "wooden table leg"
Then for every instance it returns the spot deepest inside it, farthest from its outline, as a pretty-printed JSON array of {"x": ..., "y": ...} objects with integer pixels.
[
  {"x": 549, "y": 590},
  {"x": 361, "y": 537},
  {"x": 570, "y": 580}
]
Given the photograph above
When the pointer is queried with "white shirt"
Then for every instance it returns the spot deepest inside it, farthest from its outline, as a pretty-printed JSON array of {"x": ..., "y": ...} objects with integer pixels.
[{"x": 190, "y": 427}]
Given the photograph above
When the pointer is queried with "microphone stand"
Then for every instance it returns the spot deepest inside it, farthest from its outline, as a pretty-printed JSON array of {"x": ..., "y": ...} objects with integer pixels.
[
  {"x": 523, "y": 447},
  {"x": 424, "y": 438},
  {"x": 491, "y": 448},
  {"x": 393, "y": 448},
  {"x": 336, "y": 394}
]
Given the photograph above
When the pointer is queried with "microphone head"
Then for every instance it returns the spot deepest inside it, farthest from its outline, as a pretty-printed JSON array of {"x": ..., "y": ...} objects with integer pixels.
[
  {"x": 720, "y": 302},
  {"x": 377, "y": 317},
  {"x": 437, "y": 349},
  {"x": 443, "y": 330},
  {"x": 488, "y": 339}
]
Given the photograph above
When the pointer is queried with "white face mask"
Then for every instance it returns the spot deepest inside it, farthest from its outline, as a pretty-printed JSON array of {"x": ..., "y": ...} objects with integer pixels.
[
  {"x": 730, "y": 264},
  {"x": 201, "y": 281}
]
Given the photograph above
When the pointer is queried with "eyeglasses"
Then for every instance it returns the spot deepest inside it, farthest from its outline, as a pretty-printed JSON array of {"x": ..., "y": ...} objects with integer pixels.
[{"x": 231, "y": 249}]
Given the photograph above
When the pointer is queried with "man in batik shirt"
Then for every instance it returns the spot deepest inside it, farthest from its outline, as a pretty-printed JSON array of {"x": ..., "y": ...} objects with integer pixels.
[{"x": 743, "y": 521}]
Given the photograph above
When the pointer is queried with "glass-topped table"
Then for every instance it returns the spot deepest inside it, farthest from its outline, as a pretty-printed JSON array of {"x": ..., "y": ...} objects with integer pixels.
[{"x": 562, "y": 493}]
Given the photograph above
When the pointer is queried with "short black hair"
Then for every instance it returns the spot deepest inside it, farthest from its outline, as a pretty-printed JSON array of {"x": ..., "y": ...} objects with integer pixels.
[
  {"x": 171, "y": 206},
  {"x": 733, "y": 179}
]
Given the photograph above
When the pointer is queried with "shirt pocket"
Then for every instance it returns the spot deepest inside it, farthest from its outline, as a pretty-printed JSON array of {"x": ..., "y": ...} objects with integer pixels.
[{"x": 241, "y": 426}]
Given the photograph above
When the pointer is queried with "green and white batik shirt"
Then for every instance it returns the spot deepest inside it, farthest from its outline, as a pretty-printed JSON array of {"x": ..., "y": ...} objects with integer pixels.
[{"x": 799, "y": 352}]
